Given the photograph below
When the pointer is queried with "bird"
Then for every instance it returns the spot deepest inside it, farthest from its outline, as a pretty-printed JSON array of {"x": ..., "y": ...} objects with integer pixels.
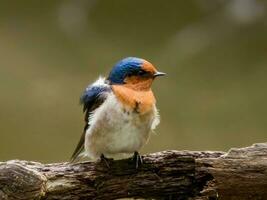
[{"x": 120, "y": 112}]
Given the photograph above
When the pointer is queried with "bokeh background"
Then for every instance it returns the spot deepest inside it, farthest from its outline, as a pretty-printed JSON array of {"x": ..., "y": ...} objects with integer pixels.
[{"x": 214, "y": 51}]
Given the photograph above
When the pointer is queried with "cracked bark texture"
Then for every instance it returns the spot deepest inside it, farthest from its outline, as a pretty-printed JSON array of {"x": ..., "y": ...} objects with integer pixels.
[{"x": 238, "y": 174}]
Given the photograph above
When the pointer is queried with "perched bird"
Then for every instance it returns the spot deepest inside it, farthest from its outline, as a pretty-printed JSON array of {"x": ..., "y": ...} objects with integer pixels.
[{"x": 120, "y": 111}]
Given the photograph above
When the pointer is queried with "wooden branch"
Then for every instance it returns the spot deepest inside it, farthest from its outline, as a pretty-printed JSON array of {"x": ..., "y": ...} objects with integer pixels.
[{"x": 238, "y": 174}]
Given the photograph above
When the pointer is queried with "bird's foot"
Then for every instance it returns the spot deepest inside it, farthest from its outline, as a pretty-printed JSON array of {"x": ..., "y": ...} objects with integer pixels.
[
  {"x": 137, "y": 159},
  {"x": 105, "y": 160}
]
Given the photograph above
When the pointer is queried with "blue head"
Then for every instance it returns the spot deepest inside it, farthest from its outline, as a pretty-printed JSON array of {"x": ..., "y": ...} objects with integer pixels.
[{"x": 132, "y": 67}]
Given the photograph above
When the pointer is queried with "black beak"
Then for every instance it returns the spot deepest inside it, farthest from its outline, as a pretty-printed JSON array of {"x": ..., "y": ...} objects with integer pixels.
[{"x": 159, "y": 74}]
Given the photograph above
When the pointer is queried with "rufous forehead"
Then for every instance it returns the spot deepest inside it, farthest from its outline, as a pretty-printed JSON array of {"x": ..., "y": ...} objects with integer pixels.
[{"x": 147, "y": 66}]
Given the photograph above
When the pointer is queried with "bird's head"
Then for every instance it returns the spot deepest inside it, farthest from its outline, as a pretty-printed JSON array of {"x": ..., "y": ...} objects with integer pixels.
[{"x": 135, "y": 73}]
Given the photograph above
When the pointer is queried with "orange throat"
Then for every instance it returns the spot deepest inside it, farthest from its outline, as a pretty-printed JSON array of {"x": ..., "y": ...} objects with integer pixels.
[{"x": 141, "y": 99}]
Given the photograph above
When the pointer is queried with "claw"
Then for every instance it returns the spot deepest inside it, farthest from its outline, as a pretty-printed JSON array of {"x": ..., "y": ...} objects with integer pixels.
[
  {"x": 137, "y": 159},
  {"x": 105, "y": 160}
]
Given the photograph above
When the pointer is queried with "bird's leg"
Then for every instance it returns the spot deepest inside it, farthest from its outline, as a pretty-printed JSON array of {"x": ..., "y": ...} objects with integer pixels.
[
  {"x": 137, "y": 159},
  {"x": 105, "y": 160}
]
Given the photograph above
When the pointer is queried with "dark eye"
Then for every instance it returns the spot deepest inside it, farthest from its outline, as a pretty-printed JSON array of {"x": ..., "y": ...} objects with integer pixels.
[{"x": 142, "y": 73}]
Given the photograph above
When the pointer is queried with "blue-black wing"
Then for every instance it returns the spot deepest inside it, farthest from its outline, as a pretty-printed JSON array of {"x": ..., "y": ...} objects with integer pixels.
[{"x": 92, "y": 98}]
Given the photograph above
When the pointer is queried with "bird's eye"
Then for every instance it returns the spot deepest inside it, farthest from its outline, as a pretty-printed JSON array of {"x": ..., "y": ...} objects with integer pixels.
[{"x": 142, "y": 72}]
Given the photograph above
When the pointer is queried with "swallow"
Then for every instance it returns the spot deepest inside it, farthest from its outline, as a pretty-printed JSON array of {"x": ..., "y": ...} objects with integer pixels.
[{"x": 120, "y": 112}]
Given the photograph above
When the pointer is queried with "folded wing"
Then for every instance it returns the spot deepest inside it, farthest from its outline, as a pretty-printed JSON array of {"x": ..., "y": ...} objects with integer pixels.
[{"x": 92, "y": 98}]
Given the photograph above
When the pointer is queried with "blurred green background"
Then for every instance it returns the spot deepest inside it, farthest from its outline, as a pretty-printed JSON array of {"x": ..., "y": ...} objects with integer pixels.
[{"x": 214, "y": 97}]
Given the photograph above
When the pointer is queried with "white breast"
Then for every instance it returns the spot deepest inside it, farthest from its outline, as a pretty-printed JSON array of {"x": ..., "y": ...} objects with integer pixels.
[{"x": 116, "y": 130}]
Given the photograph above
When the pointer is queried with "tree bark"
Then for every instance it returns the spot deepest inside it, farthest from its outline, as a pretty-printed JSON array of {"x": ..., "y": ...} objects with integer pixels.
[{"x": 240, "y": 174}]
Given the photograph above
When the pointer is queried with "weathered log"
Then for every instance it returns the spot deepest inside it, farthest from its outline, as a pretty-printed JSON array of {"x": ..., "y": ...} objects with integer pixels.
[{"x": 239, "y": 174}]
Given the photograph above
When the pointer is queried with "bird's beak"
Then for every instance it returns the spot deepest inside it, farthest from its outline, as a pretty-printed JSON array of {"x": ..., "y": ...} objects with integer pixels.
[{"x": 159, "y": 74}]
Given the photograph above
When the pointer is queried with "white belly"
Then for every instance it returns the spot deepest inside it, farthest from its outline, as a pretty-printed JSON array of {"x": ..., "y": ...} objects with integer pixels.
[{"x": 116, "y": 130}]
